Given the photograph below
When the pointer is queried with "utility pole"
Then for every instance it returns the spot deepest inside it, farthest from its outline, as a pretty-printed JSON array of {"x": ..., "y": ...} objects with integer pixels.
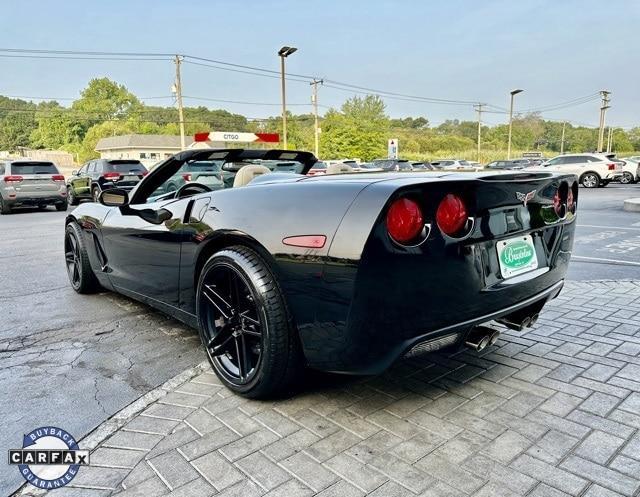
[
  {"x": 603, "y": 109},
  {"x": 316, "y": 129},
  {"x": 610, "y": 140},
  {"x": 564, "y": 124},
  {"x": 478, "y": 109},
  {"x": 178, "y": 91}
]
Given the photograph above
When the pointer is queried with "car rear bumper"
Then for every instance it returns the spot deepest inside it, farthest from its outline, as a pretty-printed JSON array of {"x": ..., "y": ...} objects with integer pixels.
[
  {"x": 35, "y": 198},
  {"x": 614, "y": 175}
]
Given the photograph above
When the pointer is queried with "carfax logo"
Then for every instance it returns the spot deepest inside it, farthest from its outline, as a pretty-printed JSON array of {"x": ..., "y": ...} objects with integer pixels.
[{"x": 49, "y": 458}]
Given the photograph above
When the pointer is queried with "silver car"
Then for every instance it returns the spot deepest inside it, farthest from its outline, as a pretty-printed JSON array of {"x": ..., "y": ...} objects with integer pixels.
[{"x": 31, "y": 183}]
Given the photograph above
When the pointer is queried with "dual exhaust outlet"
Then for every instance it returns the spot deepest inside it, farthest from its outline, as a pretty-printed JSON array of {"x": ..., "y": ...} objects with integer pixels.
[{"x": 482, "y": 337}]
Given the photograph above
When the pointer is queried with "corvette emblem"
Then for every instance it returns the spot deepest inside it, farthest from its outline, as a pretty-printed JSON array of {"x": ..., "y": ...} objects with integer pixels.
[{"x": 525, "y": 197}]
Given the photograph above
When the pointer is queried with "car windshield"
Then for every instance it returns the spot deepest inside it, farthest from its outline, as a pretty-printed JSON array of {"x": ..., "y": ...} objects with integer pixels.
[
  {"x": 33, "y": 168},
  {"x": 319, "y": 165},
  {"x": 125, "y": 167}
]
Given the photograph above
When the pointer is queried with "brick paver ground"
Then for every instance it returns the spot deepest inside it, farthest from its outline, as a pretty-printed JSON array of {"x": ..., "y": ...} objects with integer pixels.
[{"x": 554, "y": 411}]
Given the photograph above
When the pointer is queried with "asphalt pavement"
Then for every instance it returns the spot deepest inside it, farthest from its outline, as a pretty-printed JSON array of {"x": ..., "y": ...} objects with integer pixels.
[{"x": 74, "y": 361}]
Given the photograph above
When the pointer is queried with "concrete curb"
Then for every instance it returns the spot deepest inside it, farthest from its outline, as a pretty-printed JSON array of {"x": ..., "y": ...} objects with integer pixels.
[
  {"x": 632, "y": 205},
  {"x": 103, "y": 431}
]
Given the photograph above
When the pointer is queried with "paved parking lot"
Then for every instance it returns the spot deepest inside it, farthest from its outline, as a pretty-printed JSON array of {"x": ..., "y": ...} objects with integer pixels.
[
  {"x": 551, "y": 412},
  {"x": 533, "y": 411}
]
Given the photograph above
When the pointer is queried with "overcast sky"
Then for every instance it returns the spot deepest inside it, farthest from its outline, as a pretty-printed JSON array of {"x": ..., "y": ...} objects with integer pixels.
[{"x": 455, "y": 49}]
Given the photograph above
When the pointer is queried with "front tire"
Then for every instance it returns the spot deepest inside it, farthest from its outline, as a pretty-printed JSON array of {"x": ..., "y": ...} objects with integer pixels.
[
  {"x": 244, "y": 325},
  {"x": 79, "y": 269},
  {"x": 590, "y": 180}
]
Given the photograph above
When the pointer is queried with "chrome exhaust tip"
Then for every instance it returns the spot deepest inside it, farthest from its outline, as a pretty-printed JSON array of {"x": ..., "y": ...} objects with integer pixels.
[{"x": 481, "y": 337}]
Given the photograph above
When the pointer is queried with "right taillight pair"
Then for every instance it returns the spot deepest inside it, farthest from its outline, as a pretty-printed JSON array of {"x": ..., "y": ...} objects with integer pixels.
[{"x": 406, "y": 224}]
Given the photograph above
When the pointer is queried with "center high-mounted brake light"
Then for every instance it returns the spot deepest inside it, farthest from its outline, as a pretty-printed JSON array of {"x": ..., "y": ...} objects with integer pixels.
[
  {"x": 12, "y": 179},
  {"x": 452, "y": 215},
  {"x": 404, "y": 220}
]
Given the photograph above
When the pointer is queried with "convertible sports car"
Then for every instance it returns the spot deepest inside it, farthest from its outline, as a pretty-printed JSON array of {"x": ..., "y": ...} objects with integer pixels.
[{"x": 345, "y": 273}]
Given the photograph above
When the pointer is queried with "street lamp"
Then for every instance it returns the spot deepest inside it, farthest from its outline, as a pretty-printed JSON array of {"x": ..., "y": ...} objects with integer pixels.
[
  {"x": 283, "y": 53},
  {"x": 513, "y": 93}
]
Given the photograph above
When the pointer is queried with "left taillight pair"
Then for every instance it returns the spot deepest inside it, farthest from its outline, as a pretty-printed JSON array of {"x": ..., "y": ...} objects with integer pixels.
[{"x": 406, "y": 224}]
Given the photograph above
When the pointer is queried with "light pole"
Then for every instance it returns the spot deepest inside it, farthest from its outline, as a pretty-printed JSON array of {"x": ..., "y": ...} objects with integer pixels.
[
  {"x": 283, "y": 53},
  {"x": 513, "y": 94}
]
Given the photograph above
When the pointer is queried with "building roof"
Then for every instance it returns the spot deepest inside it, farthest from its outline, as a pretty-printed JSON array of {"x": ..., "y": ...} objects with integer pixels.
[{"x": 140, "y": 141}]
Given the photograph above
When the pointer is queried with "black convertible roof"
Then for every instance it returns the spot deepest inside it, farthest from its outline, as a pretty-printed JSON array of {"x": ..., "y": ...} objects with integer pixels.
[{"x": 240, "y": 154}]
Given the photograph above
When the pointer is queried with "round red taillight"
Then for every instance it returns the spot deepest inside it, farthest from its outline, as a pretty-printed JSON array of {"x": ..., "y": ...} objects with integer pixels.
[
  {"x": 404, "y": 220},
  {"x": 452, "y": 214}
]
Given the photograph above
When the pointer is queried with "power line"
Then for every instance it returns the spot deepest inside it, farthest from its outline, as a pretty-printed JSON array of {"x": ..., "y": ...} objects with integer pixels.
[
  {"x": 239, "y": 101},
  {"x": 229, "y": 66}
]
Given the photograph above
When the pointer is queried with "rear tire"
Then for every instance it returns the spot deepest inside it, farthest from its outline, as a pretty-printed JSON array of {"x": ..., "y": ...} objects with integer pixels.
[
  {"x": 95, "y": 194},
  {"x": 62, "y": 207},
  {"x": 245, "y": 327},
  {"x": 81, "y": 276},
  {"x": 590, "y": 180},
  {"x": 5, "y": 208},
  {"x": 71, "y": 197}
]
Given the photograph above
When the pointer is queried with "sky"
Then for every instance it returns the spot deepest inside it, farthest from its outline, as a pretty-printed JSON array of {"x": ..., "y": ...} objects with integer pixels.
[{"x": 470, "y": 50}]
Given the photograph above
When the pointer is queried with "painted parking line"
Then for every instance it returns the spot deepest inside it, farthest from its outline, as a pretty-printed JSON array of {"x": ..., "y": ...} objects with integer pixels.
[
  {"x": 608, "y": 227},
  {"x": 603, "y": 260}
]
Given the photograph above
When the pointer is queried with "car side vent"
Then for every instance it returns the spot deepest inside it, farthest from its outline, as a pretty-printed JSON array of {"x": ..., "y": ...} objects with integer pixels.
[{"x": 102, "y": 257}]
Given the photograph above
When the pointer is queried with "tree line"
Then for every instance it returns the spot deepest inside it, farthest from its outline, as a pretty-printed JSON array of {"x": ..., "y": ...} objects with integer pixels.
[{"x": 359, "y": 128}]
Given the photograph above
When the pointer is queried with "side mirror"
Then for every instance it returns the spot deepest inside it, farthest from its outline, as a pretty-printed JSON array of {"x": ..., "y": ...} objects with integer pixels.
[
  {"x": 74, "y": 172},
  {"x": 115, "y": 197}
]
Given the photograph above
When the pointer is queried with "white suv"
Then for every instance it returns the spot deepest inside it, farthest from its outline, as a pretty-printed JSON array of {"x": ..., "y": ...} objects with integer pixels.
[{"x": 593, "y": 170}]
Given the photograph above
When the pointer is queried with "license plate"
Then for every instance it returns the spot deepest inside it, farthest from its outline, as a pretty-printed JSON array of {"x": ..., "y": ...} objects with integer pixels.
[
  {"x": 516, "y": 256},
  {"x": 130, "y": 178}
]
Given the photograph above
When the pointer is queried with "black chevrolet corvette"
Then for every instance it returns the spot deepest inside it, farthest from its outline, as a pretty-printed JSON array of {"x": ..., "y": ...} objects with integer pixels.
[{"x": 343, "y": 273}]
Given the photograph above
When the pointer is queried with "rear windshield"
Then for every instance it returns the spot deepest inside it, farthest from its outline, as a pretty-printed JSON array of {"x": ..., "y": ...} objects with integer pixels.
[
  {"x": 125, "y": 167},
  {"x": 319, "y": 165},
  {"x": 33, "y": 168},
  {"x": 201, "y": 166}
]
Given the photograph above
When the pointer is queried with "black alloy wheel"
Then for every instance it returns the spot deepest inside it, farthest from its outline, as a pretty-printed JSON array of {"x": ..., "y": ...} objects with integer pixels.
[
  {"x": 79, "y": 269},
  {"x": 244, "y": 327}
]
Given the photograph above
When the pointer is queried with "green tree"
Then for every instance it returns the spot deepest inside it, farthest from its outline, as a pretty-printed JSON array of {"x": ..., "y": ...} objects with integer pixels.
[
  {"x": 359, "y": 129},
  {"x": 104, "y": 100}
]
